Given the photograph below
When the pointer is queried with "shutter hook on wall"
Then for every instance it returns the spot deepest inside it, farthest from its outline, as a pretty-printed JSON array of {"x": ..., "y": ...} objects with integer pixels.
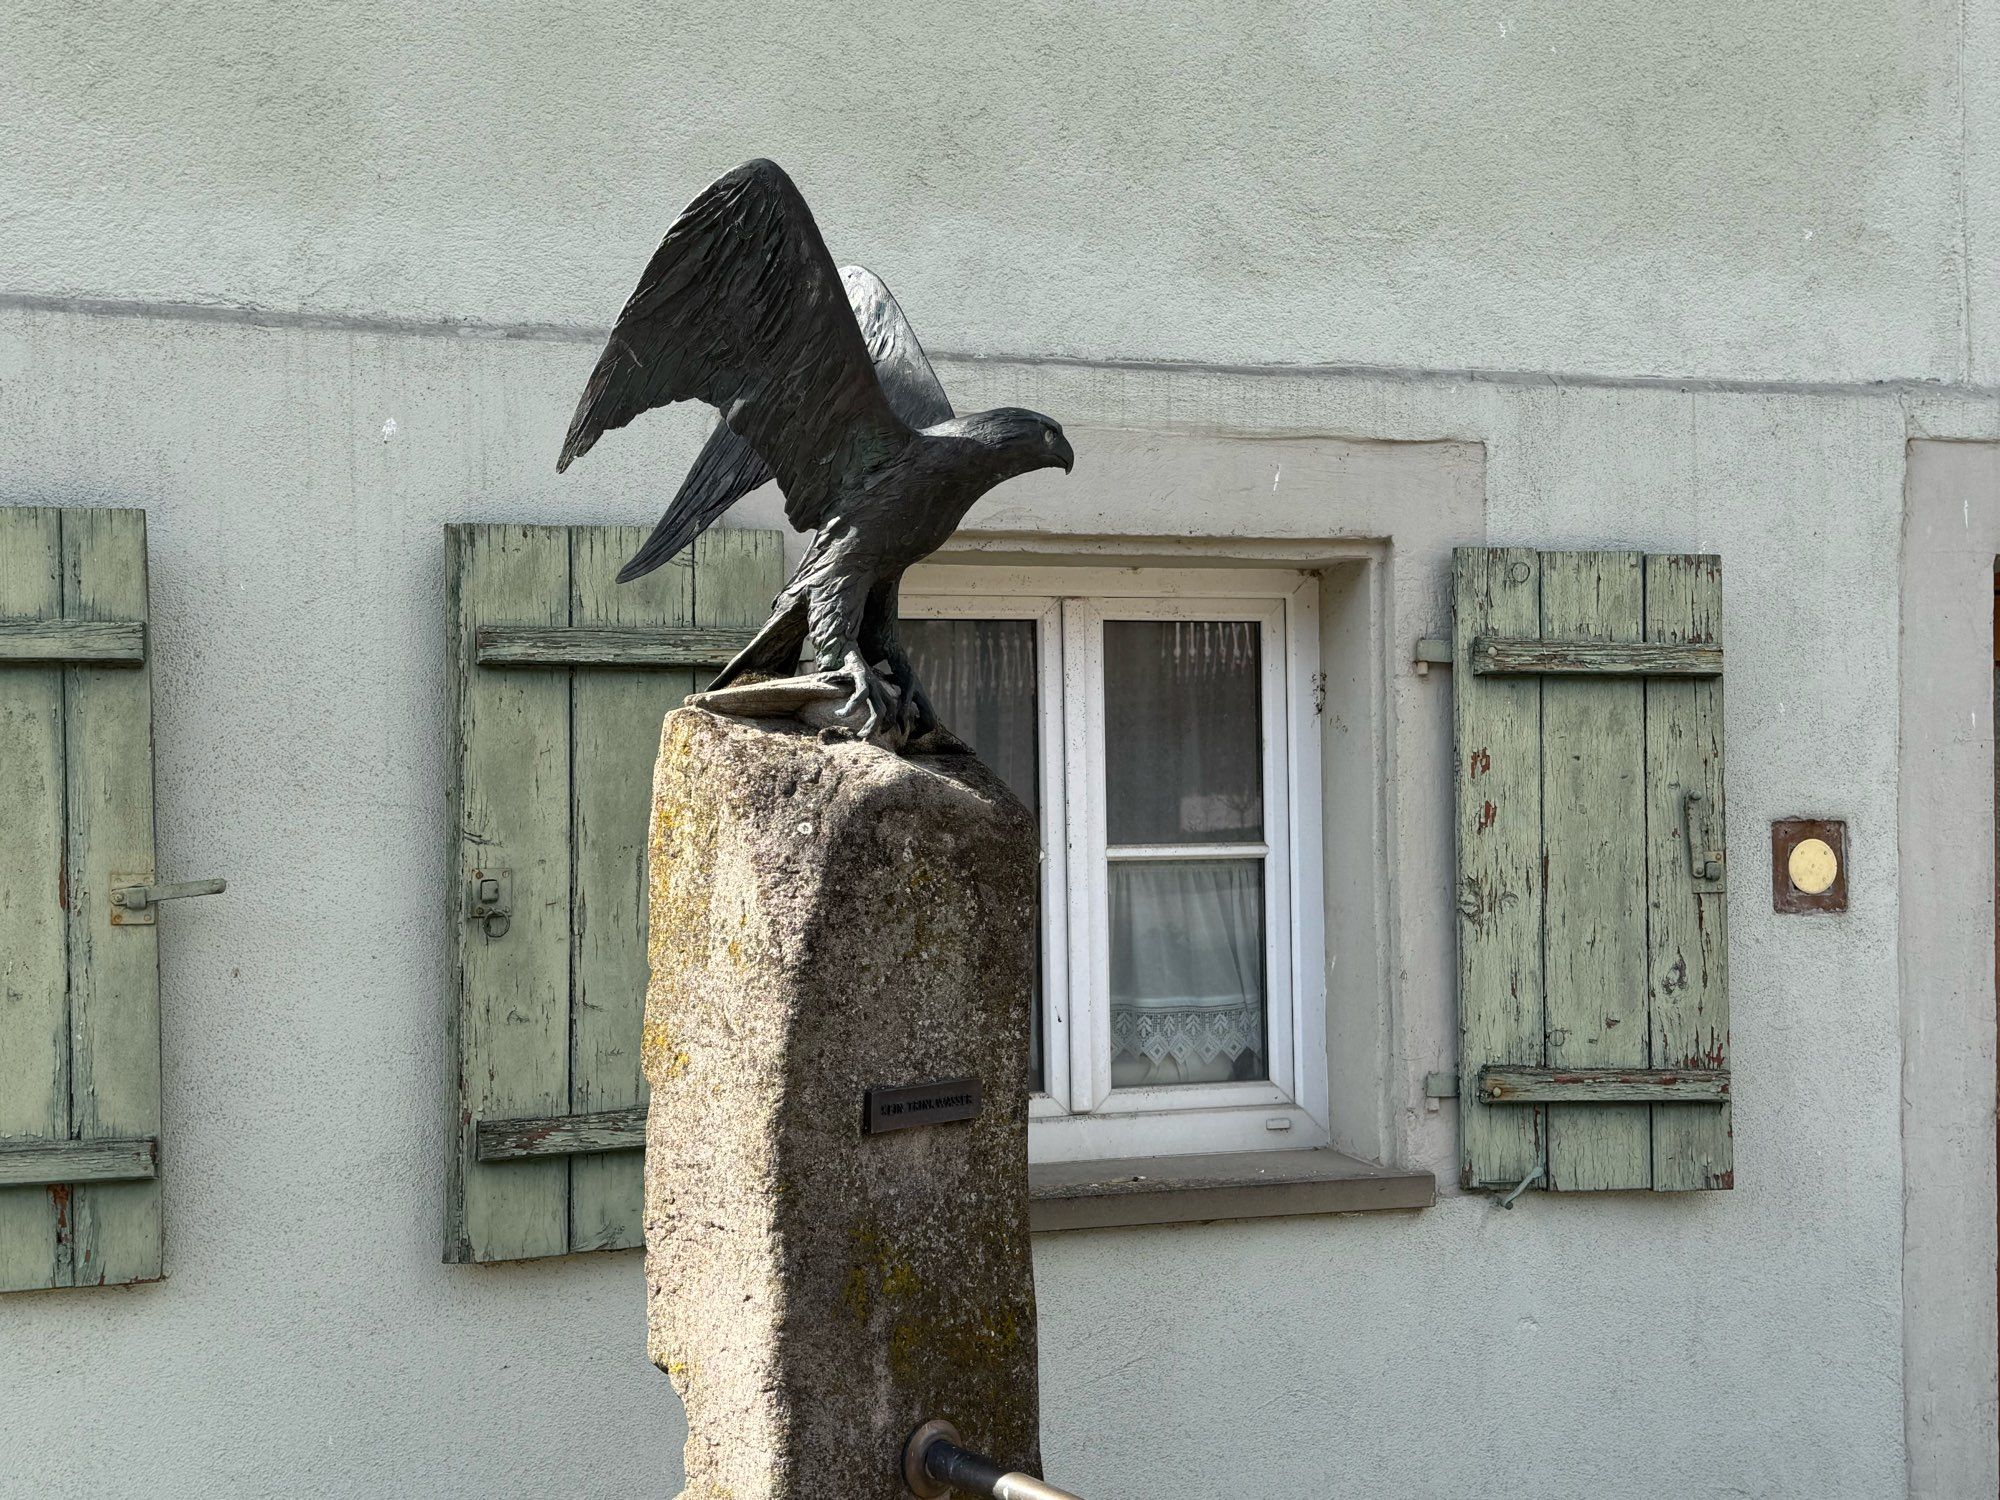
[
  {"x": 1534, "y": 1175},
  {"x": 132, "y": 905}
]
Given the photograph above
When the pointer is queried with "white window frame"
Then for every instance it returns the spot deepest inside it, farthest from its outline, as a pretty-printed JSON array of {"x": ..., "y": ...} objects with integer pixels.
[{"x": 1080, "y": 1117}]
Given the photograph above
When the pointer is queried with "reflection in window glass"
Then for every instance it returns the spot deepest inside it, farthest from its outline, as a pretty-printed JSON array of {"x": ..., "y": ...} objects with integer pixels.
[{"x": 1183, "y": 741}]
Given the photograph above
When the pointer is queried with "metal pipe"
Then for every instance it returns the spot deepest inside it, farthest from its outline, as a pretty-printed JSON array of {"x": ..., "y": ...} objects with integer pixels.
[{"x": 933, "y": 1462}]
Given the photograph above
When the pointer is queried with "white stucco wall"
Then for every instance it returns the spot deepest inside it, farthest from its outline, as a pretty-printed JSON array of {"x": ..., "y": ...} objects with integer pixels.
[
  {"x": 1798, "y": 200},
  {"x": 1625, "y": 186}
]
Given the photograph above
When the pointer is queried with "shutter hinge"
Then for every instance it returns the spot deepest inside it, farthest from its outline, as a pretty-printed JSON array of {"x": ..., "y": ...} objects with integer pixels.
[{"x": 1432, "y": 651}]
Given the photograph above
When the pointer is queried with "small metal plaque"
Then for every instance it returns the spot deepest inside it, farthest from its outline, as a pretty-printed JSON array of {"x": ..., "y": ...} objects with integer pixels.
[{"x": 886, "y": 1109}]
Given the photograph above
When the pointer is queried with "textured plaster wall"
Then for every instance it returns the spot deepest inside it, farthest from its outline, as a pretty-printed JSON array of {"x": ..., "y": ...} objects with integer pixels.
[
  {"x": 1951, "y": 537},
  {"x": 1764, "y": 191},
  {"x": 308, "y": 1341},
  {"x": 1666, "y": 186}
]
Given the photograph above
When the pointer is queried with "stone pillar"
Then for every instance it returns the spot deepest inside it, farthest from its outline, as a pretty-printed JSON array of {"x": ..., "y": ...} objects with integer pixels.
[{"x": 829, "y": 918}]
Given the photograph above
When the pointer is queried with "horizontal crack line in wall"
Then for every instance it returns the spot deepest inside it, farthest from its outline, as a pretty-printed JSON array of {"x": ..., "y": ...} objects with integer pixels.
[{"x": 577, "y": 333}]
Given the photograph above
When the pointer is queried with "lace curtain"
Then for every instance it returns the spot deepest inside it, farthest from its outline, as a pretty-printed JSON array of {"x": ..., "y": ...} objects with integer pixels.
[
  {"x": 980, "y": 676},
  {"x": 1187, "y": 971}
]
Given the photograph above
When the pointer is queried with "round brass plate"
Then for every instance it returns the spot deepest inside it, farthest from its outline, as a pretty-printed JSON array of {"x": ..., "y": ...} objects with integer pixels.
[{"x": 1813, "y": 866}]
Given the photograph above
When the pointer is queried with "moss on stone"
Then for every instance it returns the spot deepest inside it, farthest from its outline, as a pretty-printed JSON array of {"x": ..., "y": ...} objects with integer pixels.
[{"x": 826, "y": 918}]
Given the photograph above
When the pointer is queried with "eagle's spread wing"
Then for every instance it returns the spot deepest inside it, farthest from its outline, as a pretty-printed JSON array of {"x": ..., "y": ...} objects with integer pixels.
[
  {"x": 729, "y": 468},
  {"x": 900, "y": 363},
  {"x": 741, "y": 307}
]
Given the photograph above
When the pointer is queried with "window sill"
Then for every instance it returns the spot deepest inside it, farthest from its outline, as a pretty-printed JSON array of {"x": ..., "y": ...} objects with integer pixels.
[{"x": 1231, "y": 1185}]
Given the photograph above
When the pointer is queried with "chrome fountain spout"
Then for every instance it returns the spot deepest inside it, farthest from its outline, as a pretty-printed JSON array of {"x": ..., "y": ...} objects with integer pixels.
[{"x": 934, "y": 1462}]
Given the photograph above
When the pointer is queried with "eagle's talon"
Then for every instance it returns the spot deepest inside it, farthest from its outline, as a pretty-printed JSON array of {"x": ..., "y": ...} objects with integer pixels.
[{"x": 869, "y": 691}]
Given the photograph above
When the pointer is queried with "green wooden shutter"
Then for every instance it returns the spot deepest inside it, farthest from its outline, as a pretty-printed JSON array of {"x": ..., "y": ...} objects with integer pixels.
[
  {"x": 79, "y": 979},
  {"x": 560, "y": 677},
  {"x": 1592, "y": 944}
]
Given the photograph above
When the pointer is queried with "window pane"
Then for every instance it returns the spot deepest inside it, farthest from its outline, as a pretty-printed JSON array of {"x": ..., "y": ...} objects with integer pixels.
[
  {"x": 980, "y": 676},
  {"x": 1187, "y": 971},
  {"x": 1183, "y": 744}
]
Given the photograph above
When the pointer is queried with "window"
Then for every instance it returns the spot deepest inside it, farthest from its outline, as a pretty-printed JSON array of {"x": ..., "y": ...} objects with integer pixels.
[{"x": 1161, "y": 725}]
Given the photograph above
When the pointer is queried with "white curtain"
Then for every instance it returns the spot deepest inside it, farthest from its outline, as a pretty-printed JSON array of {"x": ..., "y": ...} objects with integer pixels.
[
  {"x": 1183, "y": 738},
  {"x": 1187, "y": 971},
  {"x": 980, "y": 677},
  {"x": 1183, "y": 765}
]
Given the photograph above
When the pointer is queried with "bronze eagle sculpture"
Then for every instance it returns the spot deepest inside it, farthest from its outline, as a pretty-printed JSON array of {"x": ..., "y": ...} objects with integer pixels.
[{"x": 821, "y": 384}]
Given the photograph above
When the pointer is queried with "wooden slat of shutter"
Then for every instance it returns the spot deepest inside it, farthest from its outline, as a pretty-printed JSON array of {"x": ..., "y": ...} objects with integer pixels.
[
  {"x": 579, "y": 745},
  {"x": 1499, "y": 797},
  {"x": 34, "y": 947},
  {"x": 114, "y": 972},
  {"x": 510, "y": 811},
  {"x": 725, "y": 583},
  {"x": 616, "y": 730},
  {"x": 1688, "y": 951},
  {"x": 80, "y": 1036},
  {"x": 1593, "y": 842},
  {"x": 1618, "y": 961}
]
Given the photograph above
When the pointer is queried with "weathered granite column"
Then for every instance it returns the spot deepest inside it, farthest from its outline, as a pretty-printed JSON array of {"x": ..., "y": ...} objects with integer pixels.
[{"x": 829, "y": 918}]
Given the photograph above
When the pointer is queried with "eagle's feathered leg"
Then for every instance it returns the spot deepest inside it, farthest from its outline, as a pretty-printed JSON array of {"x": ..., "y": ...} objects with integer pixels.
[
  {"x": 836, "y": 616},
  {"x": 845, "y": 621},
  {"x": 774, "y": 651},
  {"x": 879, "y": 642}
]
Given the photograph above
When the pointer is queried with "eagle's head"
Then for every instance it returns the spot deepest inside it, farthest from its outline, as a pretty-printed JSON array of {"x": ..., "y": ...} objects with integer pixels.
[{"x": 1023, "y": 440}]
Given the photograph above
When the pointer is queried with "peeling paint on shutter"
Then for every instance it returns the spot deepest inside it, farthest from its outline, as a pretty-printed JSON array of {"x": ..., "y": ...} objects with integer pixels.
[
  {"x": 1593, "y": 954},
  {"x": 80, "y": 1026}
]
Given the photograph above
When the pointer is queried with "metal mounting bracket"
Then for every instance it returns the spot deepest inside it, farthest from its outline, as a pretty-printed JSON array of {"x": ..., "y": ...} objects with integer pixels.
[
  {"x": 489, "y": 901},
  {"x": 1535, "y": 1174},
  {"x": 1704, "y": 842}
]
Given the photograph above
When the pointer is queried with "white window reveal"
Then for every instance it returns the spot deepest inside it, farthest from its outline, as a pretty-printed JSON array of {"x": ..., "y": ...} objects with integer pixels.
[{"x": 1161, "y": 725}]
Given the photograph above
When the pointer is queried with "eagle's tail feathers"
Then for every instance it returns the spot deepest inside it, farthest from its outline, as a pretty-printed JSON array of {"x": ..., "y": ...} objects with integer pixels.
[{"x": 775, "y": 651}]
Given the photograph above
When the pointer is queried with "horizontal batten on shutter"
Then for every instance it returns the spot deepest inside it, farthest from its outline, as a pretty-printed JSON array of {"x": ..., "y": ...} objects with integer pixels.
[
  {"x": 1603, "y": 1085},
  {"x": 606, "y": 646},
  {"x": 55, "y": 642},
  {"x": 37, "y": 1163},
  {"x": 562, "y": 1135},
  {"x": 1500, "y": 656}
]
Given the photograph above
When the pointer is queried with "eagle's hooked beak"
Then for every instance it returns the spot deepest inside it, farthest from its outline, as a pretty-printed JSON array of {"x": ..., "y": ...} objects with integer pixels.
[{"x": 1060, "y": 452}]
